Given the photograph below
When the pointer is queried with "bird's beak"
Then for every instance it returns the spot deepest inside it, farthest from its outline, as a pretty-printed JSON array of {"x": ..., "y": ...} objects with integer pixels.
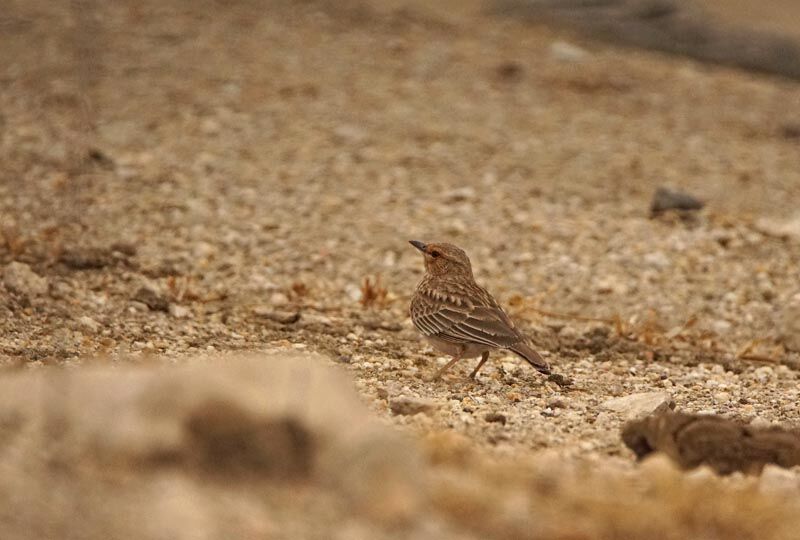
[{"x": 417, "y": 244}]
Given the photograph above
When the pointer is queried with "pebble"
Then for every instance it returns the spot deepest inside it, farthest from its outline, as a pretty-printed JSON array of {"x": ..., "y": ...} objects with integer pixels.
[
  {"x": 282, "y": 317},
  {"x": 152, "y": 298},
  {"x": 567, "y": 52},
  {"x": 278, "y": 299},
  {"x": 495, "y": 417},
  {"x": 19, "y": 278},
  {"x": 637, "y": 405},
  {"x": 666, "y": 199},
  {"x": 179, "y": 312},
  {"x": 88, "y": 324}
]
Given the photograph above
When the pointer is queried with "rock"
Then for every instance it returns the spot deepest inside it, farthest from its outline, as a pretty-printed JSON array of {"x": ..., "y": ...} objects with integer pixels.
[
  {"x": 495, "y": 417},
  {"x": 86, "y": 258},
  {"x": 665, "y": 199},
  {"x": 265, "y": 424},
  {"x": 283, "y": 317},
  {"x": 152, "y": 298},
  {"x": 722, "y": 444},
  {"x": 403, "y": 405},
  {"x": 560, "y": 380},
  {"x": 785, "y": 229},
  {"x": 88, "y": 324},
  {"x": 138, "y": 306},
  {"x": 278, "y": 299},
  {"x": 637, "y": 405},
  {"x": 179, "y": 312},
  {"x": 19, "y": 278},
  {"x": 778, "y": 481},
  {"x": 556, "y": 403},
  {"x": 567, "y": 52}
]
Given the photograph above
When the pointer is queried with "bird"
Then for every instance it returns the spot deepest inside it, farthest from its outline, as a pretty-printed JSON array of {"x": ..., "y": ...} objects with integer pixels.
[{"x": 460, "y": 318}]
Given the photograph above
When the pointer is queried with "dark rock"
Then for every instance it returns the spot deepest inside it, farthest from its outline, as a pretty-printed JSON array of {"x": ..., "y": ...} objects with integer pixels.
[
  {"x": 724, "y": 445},
  {"x": 86, "y": 258},
  {"x": 560, "y": 380},
  {"x": 282, "y": 317},
  {"x": 665, "y": 199},
  {"x": 151, "y": 298},
  {"x": 496, "y": 417}
]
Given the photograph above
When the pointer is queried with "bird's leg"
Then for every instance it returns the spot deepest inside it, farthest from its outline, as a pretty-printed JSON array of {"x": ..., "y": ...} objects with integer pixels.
[
  {"x": 448, "y": 365},
  {"x": 484, "y": 358}
]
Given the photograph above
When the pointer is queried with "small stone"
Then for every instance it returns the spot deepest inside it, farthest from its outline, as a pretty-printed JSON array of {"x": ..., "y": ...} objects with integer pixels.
[
  {"x": 278, "y": 299},
  {"x": 382, "y": 393},
  {"x": 665, "y": 199},
  {"x": 556, "y": 403},
  {"x": 637, "y": 405},
  {"x": 406, "y": 406},
  {"x": 786, "y": 229},
  {"x": 722, "y": 397},
  {"x": 153, "y": 299},
  {"x": 567, "y": 52},
  {"x": 19, "y": 278},
  {"x": 86, "y": 258},
  {"x": 88, "y": 324},
  {"x": 283, "y": 317},
  {"x": 560, "y": 380},
  {"x": 138, "y": 306},
  {"x": 496, "y": 417},
  {"x": 179, "y": 312}
]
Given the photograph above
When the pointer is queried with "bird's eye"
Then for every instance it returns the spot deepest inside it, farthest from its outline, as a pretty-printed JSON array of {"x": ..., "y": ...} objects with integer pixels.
[{"x": 435, "y": 254}]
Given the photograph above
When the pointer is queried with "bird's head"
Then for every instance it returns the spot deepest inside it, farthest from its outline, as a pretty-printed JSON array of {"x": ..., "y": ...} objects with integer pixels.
[{"x": 444, "y": 259}]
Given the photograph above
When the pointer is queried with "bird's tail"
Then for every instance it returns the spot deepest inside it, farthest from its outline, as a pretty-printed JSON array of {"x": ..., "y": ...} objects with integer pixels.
[{"x": 526, "y": 351}]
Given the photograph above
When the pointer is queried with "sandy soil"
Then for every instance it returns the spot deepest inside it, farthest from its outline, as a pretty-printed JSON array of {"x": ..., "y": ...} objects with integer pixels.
[{"x": 186, "y": 178}]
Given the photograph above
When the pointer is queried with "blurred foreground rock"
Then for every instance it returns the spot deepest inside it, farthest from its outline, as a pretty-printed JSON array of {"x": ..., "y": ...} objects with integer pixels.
[
  {"x": 724, "y": 445},
  {"x": 275, "y": 446},
  {"x": 193, "y": 452}
]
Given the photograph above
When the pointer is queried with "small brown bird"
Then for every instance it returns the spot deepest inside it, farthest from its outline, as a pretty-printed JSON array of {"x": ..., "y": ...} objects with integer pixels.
[{"x": 459, "y": 317}]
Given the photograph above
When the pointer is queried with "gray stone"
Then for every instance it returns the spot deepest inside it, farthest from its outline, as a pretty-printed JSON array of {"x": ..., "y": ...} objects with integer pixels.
[{"x": 637, "y": 405}]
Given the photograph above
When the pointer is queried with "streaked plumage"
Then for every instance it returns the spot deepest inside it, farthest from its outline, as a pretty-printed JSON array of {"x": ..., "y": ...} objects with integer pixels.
[{"x": 459, "y": 317}]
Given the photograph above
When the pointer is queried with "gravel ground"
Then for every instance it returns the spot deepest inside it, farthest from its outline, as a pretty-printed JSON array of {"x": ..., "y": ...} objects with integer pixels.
[{"x": 179, "y": 178}]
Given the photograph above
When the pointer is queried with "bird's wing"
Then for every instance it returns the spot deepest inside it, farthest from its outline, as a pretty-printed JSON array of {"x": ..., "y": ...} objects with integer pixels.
[{"x": 464, "y": 322}]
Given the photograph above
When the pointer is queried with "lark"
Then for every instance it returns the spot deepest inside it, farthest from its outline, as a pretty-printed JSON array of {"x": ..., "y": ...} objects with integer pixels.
[{"x": 460, "y": 318}]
